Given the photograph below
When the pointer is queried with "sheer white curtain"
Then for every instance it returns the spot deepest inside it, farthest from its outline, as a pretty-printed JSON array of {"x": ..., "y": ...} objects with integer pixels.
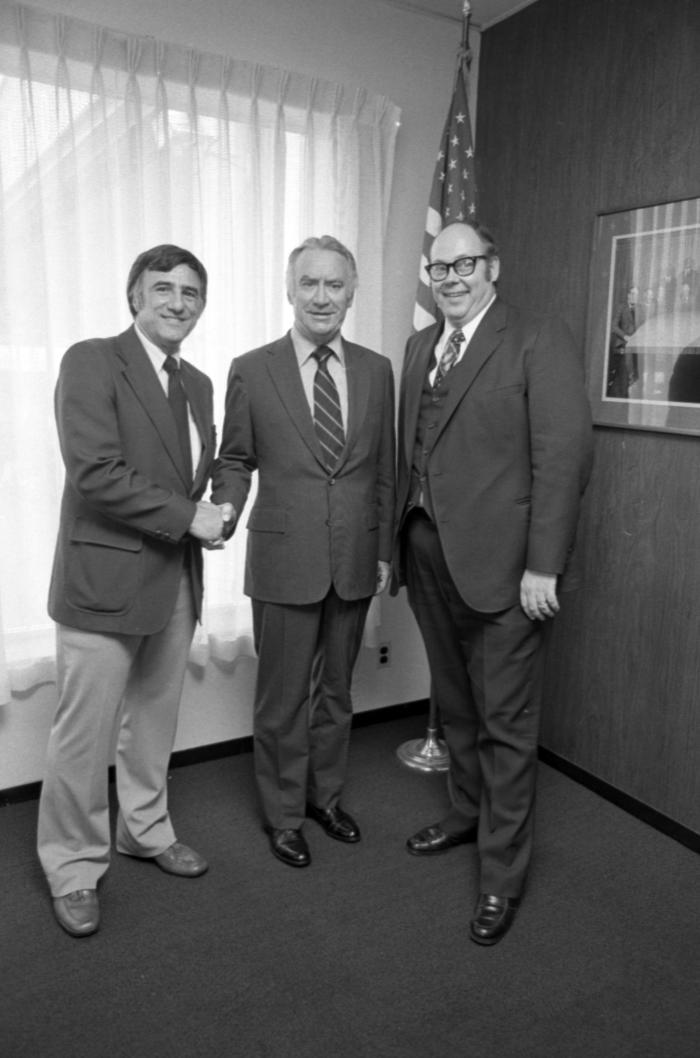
[{"x": 110, "y": 144}]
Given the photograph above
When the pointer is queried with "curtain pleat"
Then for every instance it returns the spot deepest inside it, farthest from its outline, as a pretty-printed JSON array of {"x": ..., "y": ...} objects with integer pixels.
[{"x": 112, "y": 143}]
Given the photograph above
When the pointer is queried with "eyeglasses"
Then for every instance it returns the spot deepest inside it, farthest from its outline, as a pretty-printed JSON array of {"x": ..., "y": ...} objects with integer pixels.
[{"x": 463, "y": 266}]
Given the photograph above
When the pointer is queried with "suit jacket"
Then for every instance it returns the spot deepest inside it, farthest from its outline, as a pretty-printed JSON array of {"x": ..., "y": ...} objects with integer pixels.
[
  {"x": 127, "y": 505},
  {"x": 308, "y": 528},
  {"x": 511, "y": 454}
]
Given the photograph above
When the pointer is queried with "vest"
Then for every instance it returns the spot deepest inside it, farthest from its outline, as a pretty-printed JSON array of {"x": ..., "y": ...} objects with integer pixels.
[{"x": 431, "y": 404}]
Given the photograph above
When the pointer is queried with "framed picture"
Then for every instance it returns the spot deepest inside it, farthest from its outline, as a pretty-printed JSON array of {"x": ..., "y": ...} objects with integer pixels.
[{"x": 643, "y": 327}]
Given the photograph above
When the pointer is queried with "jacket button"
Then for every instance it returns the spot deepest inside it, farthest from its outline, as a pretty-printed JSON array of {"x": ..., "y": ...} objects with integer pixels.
[{"x": 331, "y": 481}]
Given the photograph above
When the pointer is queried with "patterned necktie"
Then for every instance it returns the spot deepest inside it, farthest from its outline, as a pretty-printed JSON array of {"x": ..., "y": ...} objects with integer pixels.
[
  {"x": 178, "y": 406},
  {"x": 328, "y": 418},
  {"x": 449, "y": 355}
]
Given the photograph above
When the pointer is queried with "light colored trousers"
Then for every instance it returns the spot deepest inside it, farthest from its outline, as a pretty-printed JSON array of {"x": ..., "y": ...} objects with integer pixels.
[{"x": 122, "y": 687}]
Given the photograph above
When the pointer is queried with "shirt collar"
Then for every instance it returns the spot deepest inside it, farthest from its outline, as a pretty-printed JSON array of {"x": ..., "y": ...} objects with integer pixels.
[
  {"x": 155, "y": 355},
  {"x": 468, "y": 328},
  {"x": 304, "y": 348}
]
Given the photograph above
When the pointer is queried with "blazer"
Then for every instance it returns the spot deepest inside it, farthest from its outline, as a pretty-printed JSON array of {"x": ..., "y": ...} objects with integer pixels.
[
  {"x": 308, "y": 527},
  {"x": 511, "y": 454},
  {"x": 127, "y": 506}
]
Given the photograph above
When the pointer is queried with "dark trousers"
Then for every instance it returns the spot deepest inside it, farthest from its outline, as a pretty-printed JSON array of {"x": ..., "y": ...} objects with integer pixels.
[
  {"x": 303, "y": 708},
  {"x": 485, "y": 675}
]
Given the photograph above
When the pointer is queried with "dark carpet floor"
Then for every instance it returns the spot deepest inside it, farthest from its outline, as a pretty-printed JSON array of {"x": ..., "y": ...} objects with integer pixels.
[{"x": 367, "y": 952}]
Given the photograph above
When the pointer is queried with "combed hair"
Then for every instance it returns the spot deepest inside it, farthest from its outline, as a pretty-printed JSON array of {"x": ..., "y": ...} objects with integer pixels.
[
  {"x": 322, "y": 242},
  {"x": 163, "y": 259}
]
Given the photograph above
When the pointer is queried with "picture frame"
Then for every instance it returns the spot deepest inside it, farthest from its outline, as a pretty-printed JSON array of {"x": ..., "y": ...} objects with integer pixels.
[{"x": 643, "y": 322}]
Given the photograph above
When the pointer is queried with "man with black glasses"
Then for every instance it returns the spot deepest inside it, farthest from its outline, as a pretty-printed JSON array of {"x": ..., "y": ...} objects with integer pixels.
[{"x": 494, "y": 454}]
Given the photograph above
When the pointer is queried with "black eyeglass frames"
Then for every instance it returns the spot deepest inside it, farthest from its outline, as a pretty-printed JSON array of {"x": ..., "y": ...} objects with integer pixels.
[{"x": 463, "y": 266}]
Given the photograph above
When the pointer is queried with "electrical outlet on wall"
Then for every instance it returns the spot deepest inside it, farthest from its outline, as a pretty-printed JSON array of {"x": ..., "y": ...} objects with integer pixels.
[{"x": 384, "y": 655}]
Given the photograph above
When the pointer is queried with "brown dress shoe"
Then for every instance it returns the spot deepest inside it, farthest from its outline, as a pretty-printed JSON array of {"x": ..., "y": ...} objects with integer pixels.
[
  {"x": 493, "y": 917},
  {"x": 336, "y": 823},
  {"x": 181, "y": 860},
  {"x": 78, "y": 912},
  {"x": 289, "y": 846},
  {"x": 434, "y": 839}
]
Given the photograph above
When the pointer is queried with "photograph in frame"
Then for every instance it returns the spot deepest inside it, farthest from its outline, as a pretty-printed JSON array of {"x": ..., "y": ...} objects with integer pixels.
[{"x": 643, "y": 328}]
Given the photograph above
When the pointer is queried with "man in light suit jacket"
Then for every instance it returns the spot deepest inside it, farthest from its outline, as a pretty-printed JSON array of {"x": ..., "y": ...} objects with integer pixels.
[
  {"x": 494, "y": 455},
  {"x": 313, "y": 414},
  {"x": 135, "y": 425}
]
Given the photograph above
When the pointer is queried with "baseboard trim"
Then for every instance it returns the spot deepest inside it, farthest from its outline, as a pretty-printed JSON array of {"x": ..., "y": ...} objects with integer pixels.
[
  {"x": 232, "y": 747},
  {"x": 229, "y": 748},
  {"x": 629, "y": 804}
]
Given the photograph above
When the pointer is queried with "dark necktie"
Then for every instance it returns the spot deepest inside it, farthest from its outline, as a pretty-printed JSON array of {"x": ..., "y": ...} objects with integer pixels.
[
  {"x": 328, "y": 417},
  {"x": 449, "y": 355},
  {"x": 178, "y": 405}
]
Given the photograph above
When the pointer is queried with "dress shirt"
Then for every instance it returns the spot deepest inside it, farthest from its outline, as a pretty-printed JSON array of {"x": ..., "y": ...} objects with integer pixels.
[
  {"x": 304, "y": 350},
  {"x": 468, "y": 332},
  {"x": 157, "y": 358}
]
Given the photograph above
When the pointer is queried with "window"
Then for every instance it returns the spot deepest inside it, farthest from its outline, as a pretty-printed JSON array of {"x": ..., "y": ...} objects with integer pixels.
[{"x": 111, "y": 144}]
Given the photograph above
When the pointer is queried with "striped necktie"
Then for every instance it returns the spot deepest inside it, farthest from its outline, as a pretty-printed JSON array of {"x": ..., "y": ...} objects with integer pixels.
[
  {"x": 449, "y": 355},
  {"x": 328, "y": 417}
]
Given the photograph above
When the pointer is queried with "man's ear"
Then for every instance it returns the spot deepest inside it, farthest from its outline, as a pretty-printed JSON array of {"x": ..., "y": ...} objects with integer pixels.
[{"x": 494, "y": 269}]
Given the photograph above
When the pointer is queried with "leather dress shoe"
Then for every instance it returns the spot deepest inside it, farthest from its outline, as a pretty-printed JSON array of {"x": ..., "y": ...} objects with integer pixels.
[
  {"x": 493, "y": 917},
  {"x": 336, "y": 823},
  {"x": 181, "y": 860},
  {"x": 434, "y": 839},
  {"x": 78, "y": 912},
  {"x": 289, "y": 846}
]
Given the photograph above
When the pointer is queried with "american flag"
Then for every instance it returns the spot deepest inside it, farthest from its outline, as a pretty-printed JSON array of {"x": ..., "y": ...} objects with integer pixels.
[{"x": 453, "y": 195}]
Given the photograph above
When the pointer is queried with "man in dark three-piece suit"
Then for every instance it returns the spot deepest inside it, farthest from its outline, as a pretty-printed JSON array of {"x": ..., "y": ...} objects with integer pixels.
[
  {"x": 494, "y": 454},
  {"x": 135, "y": 425},
  {"x": 313, "y": 414}
]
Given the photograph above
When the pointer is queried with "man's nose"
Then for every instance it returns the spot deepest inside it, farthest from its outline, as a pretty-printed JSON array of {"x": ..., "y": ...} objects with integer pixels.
[
  {"x": 175, "y": 301},
  {"x": 321, "y": 294}
]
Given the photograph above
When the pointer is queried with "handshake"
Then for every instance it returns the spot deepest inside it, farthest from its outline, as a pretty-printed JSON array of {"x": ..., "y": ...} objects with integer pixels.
[{"x": 213, "y": 524}]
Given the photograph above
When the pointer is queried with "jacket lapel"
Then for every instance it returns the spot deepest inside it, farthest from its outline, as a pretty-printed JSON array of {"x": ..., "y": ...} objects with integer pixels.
[
  {"x": 417, "y": 366},
  {"x": 139, "y": 374},
  {"x": 286, "y": 377},
  {"x": 358, "y": 380},
  {"x": 196, "y": 398},
  {"x": 484, "y": 342}
]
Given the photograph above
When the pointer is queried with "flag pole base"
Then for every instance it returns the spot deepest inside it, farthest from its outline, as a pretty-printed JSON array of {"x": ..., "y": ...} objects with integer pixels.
[{"x": 427, "y": 754}]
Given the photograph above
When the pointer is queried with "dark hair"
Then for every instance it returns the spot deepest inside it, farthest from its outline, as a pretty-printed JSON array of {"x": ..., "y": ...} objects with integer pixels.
[
  {"x": 322, "y": 242},
  {"x": 163, "y": 259}
]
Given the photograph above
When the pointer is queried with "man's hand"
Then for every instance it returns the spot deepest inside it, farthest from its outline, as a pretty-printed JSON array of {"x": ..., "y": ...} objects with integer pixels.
[
  {"x": 383, "y": 573},
  {"x": 228, "y": 513},
  {"x": 208, "y": 522},
  {"x": 227, "y": 523},
  {"x": 538, "y": 595}
]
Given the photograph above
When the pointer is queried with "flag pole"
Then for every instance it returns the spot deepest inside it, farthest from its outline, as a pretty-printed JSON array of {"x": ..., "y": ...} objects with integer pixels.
[{"x": 453, "y": 197}]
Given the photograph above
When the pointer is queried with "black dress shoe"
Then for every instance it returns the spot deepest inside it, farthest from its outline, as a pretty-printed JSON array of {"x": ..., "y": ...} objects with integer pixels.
[
  {"x": 78, "y": 912},
  {"x": 336, "y": 823},
  {"x": 289, "y": 846},
  {"x": 493, "y": 917},
  {"x": 433, "y": 839}
]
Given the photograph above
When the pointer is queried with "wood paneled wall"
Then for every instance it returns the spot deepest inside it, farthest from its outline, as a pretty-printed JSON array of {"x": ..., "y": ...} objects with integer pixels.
[{"x": 583, "y": 108}]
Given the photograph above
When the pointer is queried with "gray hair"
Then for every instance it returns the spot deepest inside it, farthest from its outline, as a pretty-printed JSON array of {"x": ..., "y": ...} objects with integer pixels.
[{"x": 322, "y": 242}]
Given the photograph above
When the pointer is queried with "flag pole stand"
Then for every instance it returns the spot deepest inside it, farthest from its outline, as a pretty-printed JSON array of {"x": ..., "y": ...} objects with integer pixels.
[{"x": 427, "y": 754}]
